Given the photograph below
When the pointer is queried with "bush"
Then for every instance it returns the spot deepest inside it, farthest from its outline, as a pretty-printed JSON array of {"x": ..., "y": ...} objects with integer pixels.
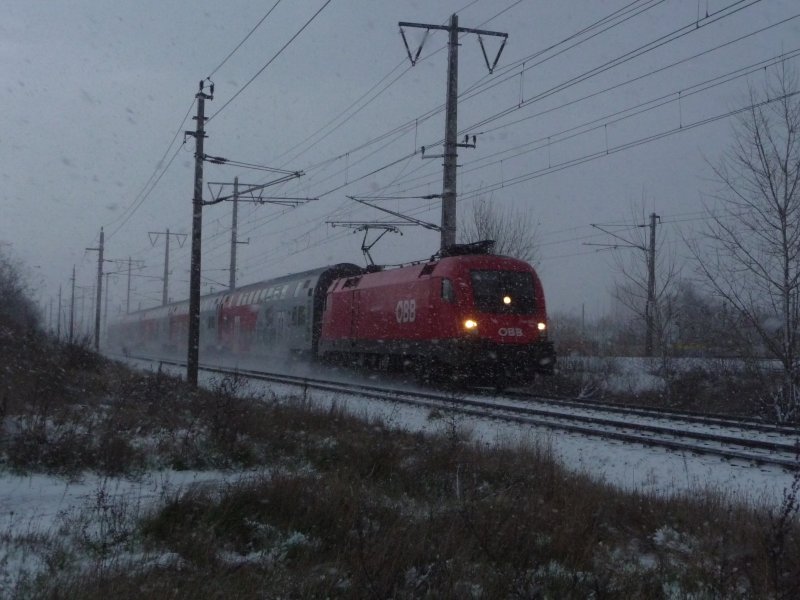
[{"x": 18, "y": 314}]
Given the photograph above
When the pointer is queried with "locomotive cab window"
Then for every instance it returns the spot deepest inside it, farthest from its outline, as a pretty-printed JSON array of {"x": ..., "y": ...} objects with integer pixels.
[{"x": 509, "y": 292}]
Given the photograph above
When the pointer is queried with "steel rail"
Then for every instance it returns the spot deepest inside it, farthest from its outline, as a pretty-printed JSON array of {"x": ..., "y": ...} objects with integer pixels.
[
  {"x": 651, "y": 411},
  {"x": 786, "y": 452}
]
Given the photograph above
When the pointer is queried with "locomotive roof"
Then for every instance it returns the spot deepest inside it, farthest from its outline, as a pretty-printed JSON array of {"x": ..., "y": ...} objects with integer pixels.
[{"x": 449, "y": 266}]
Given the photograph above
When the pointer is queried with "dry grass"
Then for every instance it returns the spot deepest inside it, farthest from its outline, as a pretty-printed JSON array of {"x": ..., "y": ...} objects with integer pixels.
[
  {"x": 337, "y": 507},
  {"x": 721, "y": 386}
]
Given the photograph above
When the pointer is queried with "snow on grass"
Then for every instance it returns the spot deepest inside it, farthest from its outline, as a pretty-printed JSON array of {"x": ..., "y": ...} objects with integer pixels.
[
  {"x": 48, "y": 521},
  {"x": 629, "y": 466}
]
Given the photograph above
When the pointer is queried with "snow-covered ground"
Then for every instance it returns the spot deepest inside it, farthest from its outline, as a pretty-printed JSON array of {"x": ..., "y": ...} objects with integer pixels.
[
  {"x": 39, "y": 505},
  {"x": 629, "y": 466}
]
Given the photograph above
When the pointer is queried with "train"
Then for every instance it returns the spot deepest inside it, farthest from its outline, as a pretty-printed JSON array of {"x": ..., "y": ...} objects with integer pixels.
[{"x": 464, "y": 315}]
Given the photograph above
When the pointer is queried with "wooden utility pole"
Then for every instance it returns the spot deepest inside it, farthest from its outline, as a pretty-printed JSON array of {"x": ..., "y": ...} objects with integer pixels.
[
  {"x": 128, "y": 295},
  {"x": 98, "y": 308},
  {"x": 449, "y": 177},
  {"x": 165, "y": 291},
  {"x": 193, "y": 351},
  {"x": 98, "y": 300},
  {"x": 651, "y": 288},
  {"x": 139, "y": 265},
  {"x": 251, "y": 193},
  {"x": 234, "y": 240},
  {"x": 181, "y": 237},
  {"x": 58, "y": 316},
  {"x": 649, "y": 248},
  {"x": 72, "y": 308},
  {"x": 105, "y": 305}
]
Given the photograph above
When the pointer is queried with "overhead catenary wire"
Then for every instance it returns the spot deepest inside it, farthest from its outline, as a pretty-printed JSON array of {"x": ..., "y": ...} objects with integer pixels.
[
  {"x": 142, "y": 196},
  {"x": 247, "y": 37},
  {"x": 613, "y": 63},
  {"x": 147, "y": 189},
  {"x": 270, "y": 61},
  {"x": 647, "y": 139},
  {"x": 345, "y": 117},
  {"x": 433, "y": 112},
  {"x": 565, "y": 85},
  {"x": 403, "y": 127},
  {"x": 150, "y": 184},
  {"x": 388, "y": 166},
  {"x": 553, "y": 138}
]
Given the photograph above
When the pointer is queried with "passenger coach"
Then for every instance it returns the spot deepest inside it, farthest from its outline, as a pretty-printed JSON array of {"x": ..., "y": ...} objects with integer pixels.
[{"x": 466, "y": 315}]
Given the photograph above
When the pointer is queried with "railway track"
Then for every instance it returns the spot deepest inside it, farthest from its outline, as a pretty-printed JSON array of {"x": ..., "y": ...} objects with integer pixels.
[
  {"x": 729, "y": 438},
  {"x": 709, "y": 419}
]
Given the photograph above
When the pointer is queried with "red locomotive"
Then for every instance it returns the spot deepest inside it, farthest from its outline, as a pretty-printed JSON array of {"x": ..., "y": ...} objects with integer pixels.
[{"x": 466, "y": 314}]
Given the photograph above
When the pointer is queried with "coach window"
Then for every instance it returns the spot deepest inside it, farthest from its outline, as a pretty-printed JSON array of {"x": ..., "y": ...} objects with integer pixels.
[
  {"x": 448, "y": 293},
  {"x": 299, "y": 288}
]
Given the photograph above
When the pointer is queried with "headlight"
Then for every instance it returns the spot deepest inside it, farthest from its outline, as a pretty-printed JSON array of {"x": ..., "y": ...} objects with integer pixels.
[
  {"x": 541, "y": 326},
  {"x": 469, "y": 324},
  {"x": 506, "y": 300}
]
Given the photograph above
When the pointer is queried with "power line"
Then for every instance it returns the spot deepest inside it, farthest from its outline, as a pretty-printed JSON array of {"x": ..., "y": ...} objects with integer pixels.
[
  {"x": 144, "y": 192},
  {"x": 627, "y": 146},
  {"x": 618, "y": 116},
  {"x": 405, "y": 126},
  {"x": 672, "y": 36},
  {"x": 371, "y": 173},
  {"x": 644, "y": 75},
  {"x": 270, "y": 61},
  {"x": 239, "y": 45},
  {"x": 620, "y": 60}
]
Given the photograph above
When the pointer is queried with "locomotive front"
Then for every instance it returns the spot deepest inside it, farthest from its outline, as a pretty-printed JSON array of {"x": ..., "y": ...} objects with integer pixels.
[
  {"x": 498, "y": 309},
  {"x": 474, "y": 317}
]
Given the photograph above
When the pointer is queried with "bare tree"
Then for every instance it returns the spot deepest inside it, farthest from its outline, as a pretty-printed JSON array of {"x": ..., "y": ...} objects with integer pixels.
[
  {"x": 631, "y": 292},
  {"x": 18, "y": 312},
  {"x": 514, "y": 231},
  {"x": 750, "y": 258},
  {"x": 648, "y": 273}
]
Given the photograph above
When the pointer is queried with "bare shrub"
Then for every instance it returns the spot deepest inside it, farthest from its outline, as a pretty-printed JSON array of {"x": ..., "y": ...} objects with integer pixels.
[
  {"x": 18, "y": 313},
  {"x": 782, "y": 542}
]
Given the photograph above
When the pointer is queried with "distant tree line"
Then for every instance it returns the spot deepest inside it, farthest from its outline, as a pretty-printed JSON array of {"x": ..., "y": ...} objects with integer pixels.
[{"x": 18, "y": 313}]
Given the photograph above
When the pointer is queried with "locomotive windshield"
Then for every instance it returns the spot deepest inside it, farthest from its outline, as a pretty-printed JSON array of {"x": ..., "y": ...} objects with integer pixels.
[{"x": 508, "y": 292}]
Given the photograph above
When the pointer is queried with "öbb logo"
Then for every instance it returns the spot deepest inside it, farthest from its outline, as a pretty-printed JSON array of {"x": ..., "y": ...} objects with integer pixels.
[
  {"x": 406, "y": 311},
  {"x": 509, "y": 332}
]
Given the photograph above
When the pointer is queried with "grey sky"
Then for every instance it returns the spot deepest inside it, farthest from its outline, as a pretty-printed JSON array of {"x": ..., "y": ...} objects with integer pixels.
[{"x": 93, "y": 92}]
